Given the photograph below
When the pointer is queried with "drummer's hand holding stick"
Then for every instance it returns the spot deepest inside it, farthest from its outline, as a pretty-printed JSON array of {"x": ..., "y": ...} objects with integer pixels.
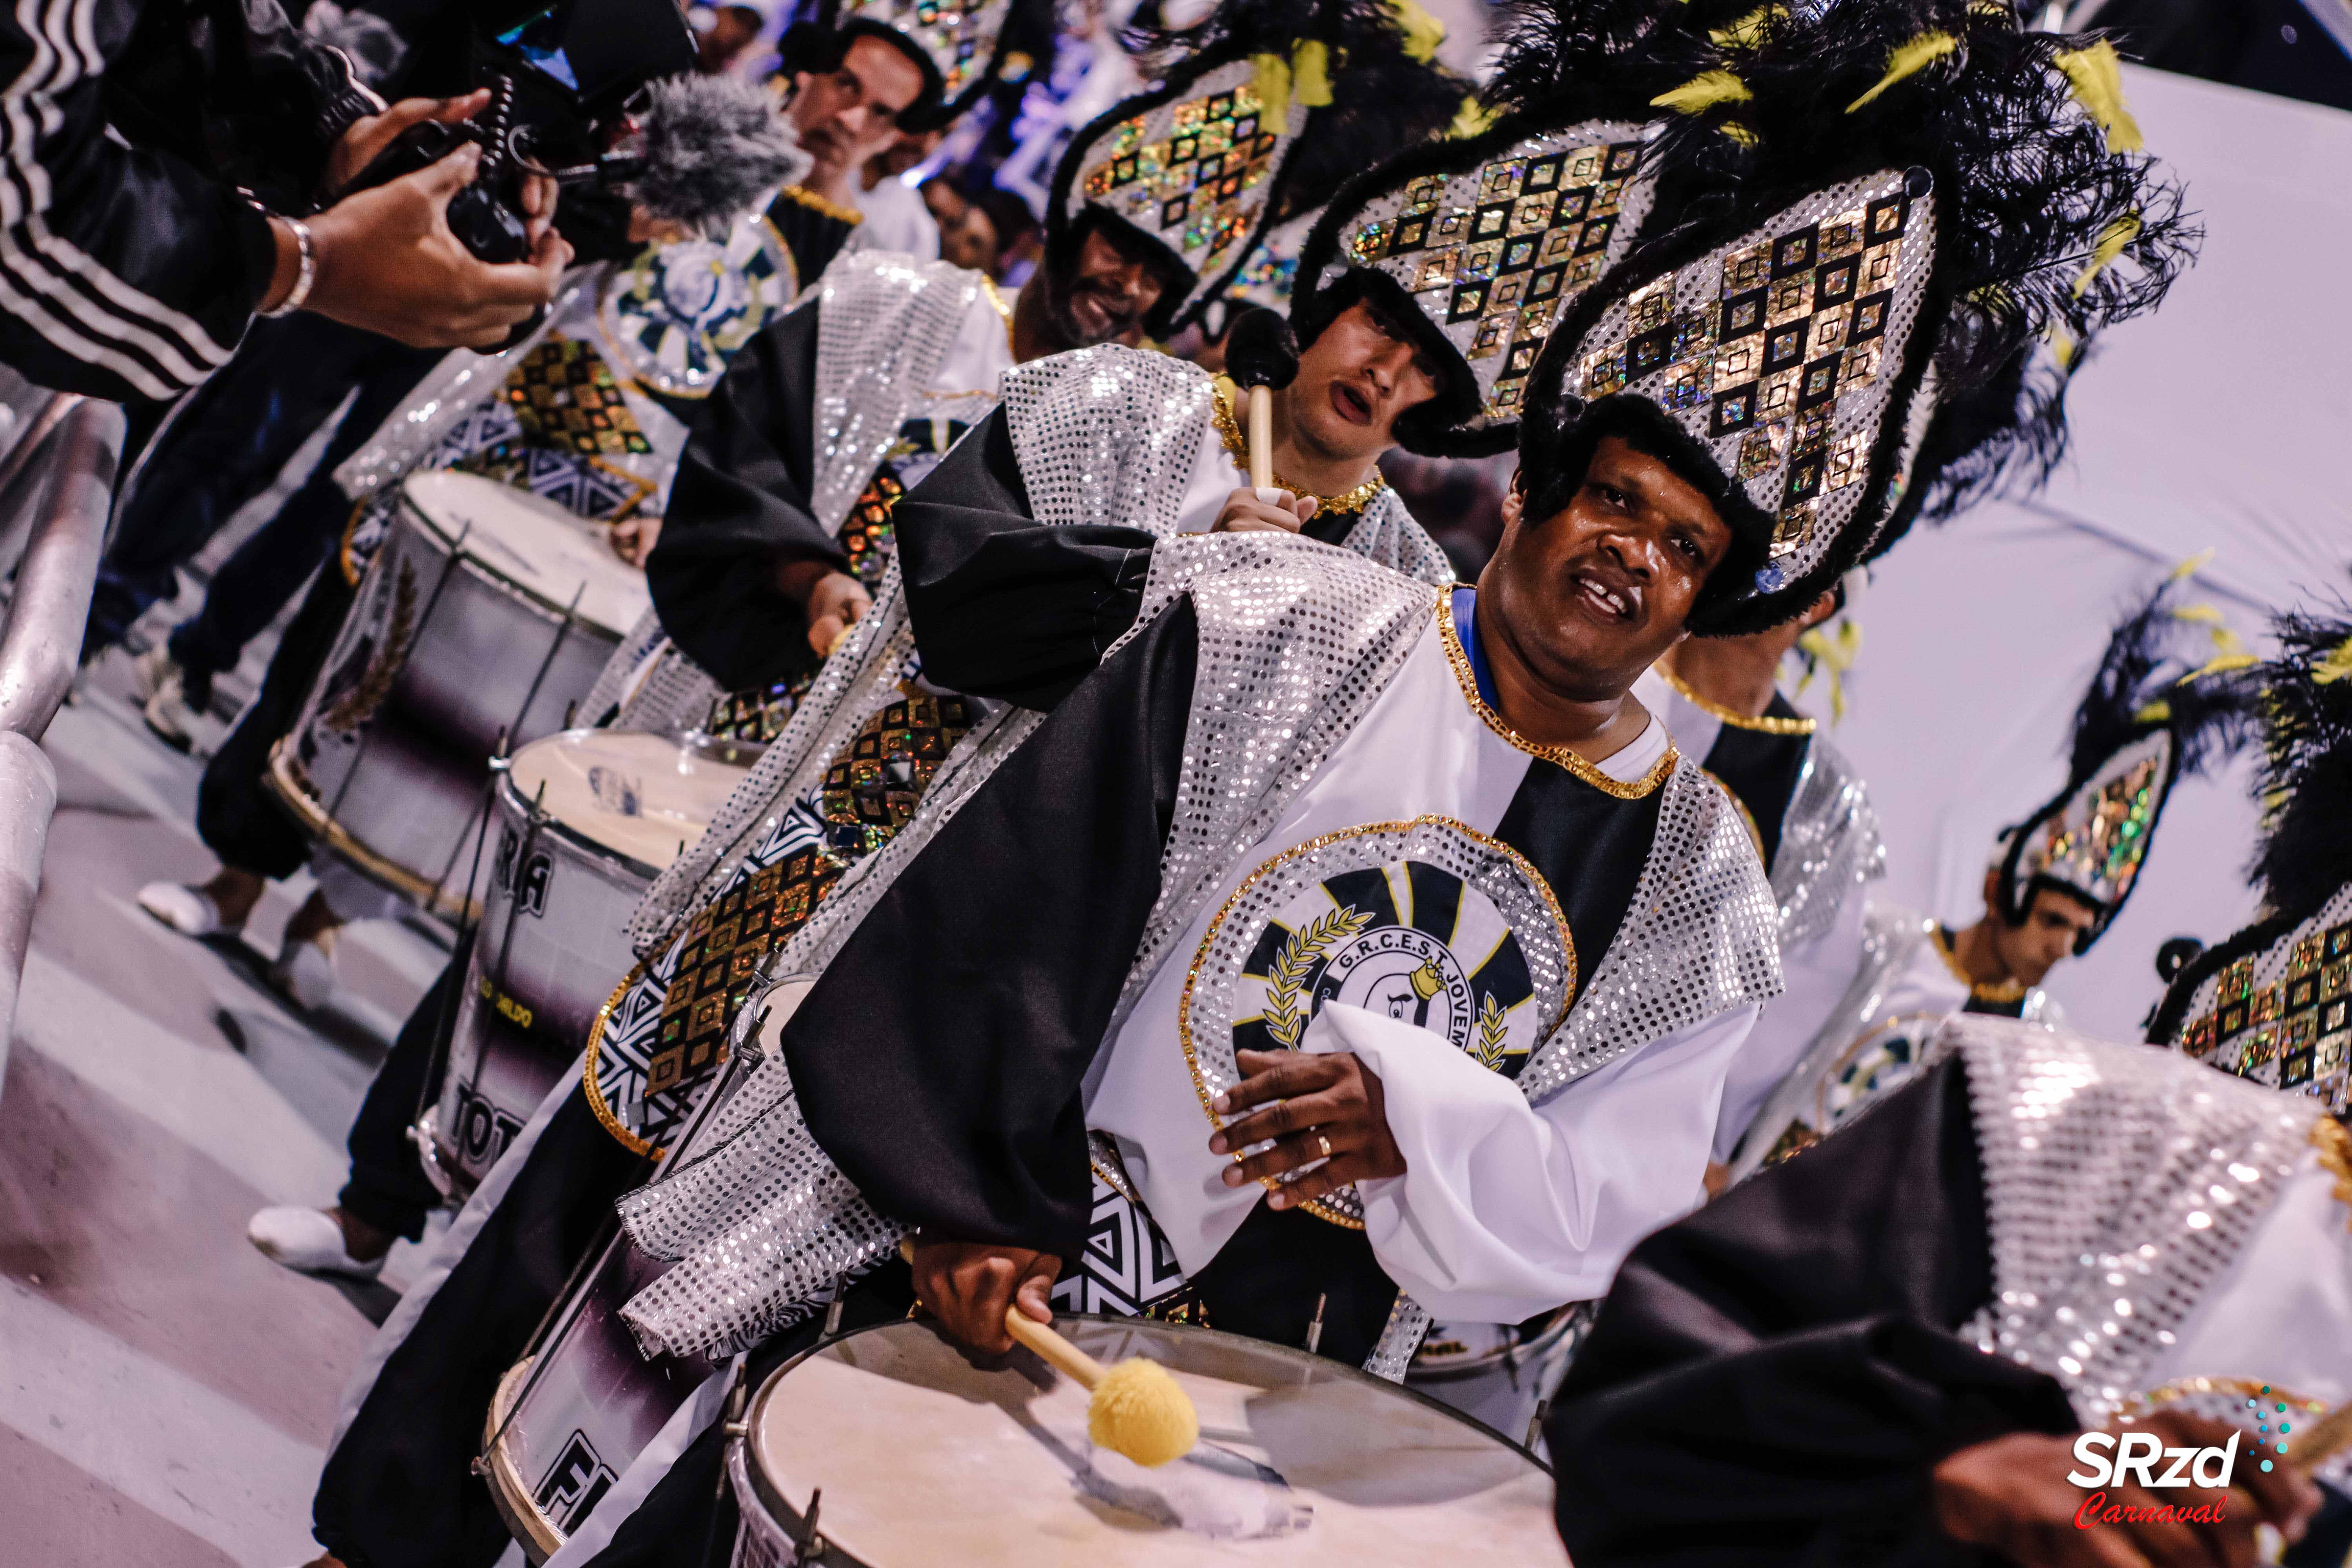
[
  {"x": 990, "y": 1296},
  {"x": 1262, "y": 356},
  {"x": 833, "y": 600},
  {"x": 1323, "y": 1114}
]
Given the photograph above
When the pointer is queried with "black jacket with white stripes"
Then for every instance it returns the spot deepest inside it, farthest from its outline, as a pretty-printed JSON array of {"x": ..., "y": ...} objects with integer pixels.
[{"x": 130, "y": 259}]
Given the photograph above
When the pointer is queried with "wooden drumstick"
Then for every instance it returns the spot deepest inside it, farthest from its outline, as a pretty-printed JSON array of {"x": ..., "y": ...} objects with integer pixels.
[
  {"x": 1261, "y": 437},
  {"x": 1261, "y": 354}
]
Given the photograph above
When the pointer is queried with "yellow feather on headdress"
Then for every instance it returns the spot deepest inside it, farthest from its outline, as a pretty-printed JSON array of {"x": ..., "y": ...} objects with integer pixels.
[
  {"x": 1836, "y": 654},
  {"x": 1422, "y": 32},
  {"x": 2194, "y": 564},
  {"x": 2335, "y": 665},
  {"x": 2119, "y": 232},
  {"x": 2097, "y": 77},
  {"x": 1908, "y": 59},
  {"x": 1310, "y": 73},
  {"x": 1272, "y": 83},
  {"x": 1703, "y": 92},
  {"x": 1749, "y": 30},
  {"x": 1473, "y": 118}
]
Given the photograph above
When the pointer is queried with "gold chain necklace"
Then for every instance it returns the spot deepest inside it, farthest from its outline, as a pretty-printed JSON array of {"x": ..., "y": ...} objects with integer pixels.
[{"x": 1237, "y": 445}]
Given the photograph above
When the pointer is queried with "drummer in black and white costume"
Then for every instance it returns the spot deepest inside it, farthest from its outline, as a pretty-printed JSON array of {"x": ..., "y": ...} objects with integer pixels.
[
  {"x": 2056, "y": 883},
  {"x": 855, "y": 759},
  {"x": 1810, "y": 814},
  {"x": 1305, "y": 803}
]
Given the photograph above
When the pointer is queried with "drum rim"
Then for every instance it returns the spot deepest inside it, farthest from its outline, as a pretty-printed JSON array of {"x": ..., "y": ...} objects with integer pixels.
[
  {"x": 1554, "y": 1331},
  {"x": 489, "y": 573},
  {"x": 291, "y": 783},
  {"x": 537, "y": 1534},
  {"x": 788, "y": 1518},
  {"x": 589, "y": 848}
]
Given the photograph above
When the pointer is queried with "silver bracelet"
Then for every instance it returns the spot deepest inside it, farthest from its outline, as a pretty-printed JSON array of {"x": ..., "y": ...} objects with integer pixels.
[{"x": 306, "y": 270}]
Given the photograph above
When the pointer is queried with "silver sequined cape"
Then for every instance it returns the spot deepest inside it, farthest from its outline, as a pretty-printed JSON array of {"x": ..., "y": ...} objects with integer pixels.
[
  {"x": 1829, "y": 844},
  {"x": 1296, "y": 641},
  {"x": 2120, "y": 1184}
]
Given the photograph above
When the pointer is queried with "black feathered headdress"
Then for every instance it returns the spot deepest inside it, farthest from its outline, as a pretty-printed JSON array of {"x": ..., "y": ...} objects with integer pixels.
[
  {"x": 2273, "y": 1001},
  {"x": 2148, "y": 719},
  {"x": 1199, "y": 166},
  {"x": 1869, "y": 220}
]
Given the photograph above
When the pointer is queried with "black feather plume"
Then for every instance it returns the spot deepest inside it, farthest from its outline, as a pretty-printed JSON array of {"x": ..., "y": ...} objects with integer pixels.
[{"x": 2305, "y": 854}]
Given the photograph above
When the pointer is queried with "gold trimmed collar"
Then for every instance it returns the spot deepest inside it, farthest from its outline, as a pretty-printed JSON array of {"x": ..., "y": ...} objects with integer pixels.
[
  {"x": 1229, "y": 431},
  {"x": 1003, "y": 313},
  {"x": 1989, "y": 991},
  {"x": 1737, "y": 720},
  {"x": 823, "y": 206},
  {"x": 1560, "y": 756}
]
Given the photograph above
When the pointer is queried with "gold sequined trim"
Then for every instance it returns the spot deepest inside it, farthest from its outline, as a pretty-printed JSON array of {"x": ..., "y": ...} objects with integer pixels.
[
  {"x": 1003, "y": 311},
  {"x": 596, "y": 1104},
  {"x": 2002, "y": 990},
  {"x": 1192, "y": 972},
  {"x": 2335, "y": 1145},
  {"x": 1737, "y": 721},
  {"x": 819, "y": 204},
  {"x": 1229, "y": 431},
  {"x": 1560, "y": 756},
  {"x": 2140, "y": 1404}
]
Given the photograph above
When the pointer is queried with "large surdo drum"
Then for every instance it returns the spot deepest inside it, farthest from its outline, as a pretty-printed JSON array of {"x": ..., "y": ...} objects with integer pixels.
[
  {"x": 486, "y": 612},
  {"x": 922, "y": 1458},
  {"x": 584, "y": 821},
  {"x": 572, "y": 1415}
]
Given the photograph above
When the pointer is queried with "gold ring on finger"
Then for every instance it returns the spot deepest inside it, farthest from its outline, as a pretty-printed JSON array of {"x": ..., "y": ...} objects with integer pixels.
[{"x": 1324, "y": 1143}]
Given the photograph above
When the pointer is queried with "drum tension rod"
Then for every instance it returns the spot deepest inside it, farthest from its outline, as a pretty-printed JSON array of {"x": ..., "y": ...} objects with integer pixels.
[
  {"x": 840, "y": 1284},
  {"x": 811, "y": 1544},
  {"x": 1535, "y": 1427},
  {"x": 1314, "y": 1329}
]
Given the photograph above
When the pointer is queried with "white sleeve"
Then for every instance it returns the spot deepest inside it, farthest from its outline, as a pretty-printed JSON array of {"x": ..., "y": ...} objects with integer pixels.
[
  {"x": 1508, "y": 1209},
  {"x": 1815, "y": 975}
]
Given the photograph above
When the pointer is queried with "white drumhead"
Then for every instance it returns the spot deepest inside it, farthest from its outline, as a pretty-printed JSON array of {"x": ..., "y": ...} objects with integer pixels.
[
  {"x": 642, "y": 794},
  {"x": 925, "y": 1460},
  {"x": 534, "y": 544}
]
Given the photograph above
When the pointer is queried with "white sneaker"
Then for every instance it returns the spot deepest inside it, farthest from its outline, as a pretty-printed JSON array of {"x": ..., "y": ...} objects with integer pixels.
[
  {"x": 152, "y": 670},
  {"x": 308, "y": 1241},
  {"x": 188, "y": 911},
  {"x": 305, "y": 973}
]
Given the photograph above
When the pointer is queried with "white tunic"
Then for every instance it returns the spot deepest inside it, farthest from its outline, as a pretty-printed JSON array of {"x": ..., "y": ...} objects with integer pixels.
[{"x": 1506, "y": 1209}]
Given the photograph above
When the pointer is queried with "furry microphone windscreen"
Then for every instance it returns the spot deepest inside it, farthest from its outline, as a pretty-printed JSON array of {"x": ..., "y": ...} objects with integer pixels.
[{"x": 712, "y": 146}]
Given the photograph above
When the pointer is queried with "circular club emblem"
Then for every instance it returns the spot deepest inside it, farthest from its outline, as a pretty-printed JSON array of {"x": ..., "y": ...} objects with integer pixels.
[
  {"x": 675, "y": 314},
  {"x": 1879, "y": 1062},
  {"x": 1430, "y": 922}
]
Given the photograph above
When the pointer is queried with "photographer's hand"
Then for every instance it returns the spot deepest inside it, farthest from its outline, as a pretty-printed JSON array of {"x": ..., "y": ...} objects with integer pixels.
[
  {"x": 387, "y": 262},
  {"x": 372, "y": 134}
]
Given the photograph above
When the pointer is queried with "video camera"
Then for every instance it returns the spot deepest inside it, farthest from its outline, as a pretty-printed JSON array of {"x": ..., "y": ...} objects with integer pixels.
[{"x": 571, "y": 86}]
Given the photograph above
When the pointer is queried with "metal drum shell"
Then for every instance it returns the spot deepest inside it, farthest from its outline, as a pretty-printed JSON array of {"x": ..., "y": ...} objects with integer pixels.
[
  {"x": 568, "y": 1421},
  {"x": 432, "y": 665},
  {"x": 1504, "y": 1388},
  {"x": 541, "y": 970}
]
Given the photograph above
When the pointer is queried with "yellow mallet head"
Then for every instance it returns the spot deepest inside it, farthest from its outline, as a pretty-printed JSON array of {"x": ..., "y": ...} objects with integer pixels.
[{"x": 1142, "y": 1411}]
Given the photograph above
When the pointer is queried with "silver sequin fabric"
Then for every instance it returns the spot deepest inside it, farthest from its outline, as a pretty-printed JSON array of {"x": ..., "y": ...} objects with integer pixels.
[
  {"x": 2120, "y": 1182},
  {"x": 885, "y": 323},
  {"x": 670, "y": 697},
  {"x": 1829, "y": 844}
]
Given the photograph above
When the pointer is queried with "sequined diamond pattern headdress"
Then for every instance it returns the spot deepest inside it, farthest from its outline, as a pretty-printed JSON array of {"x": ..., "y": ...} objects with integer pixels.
[
  {"x": 1191, "y": 166},
  {"x": 1877, "y": 226},
  {"x": 2147, "y": 721},
  {"x": 1490, "y": 239},
  {"x": 954, "y": 40},
  {"x": 2272, "y": 1002}
]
